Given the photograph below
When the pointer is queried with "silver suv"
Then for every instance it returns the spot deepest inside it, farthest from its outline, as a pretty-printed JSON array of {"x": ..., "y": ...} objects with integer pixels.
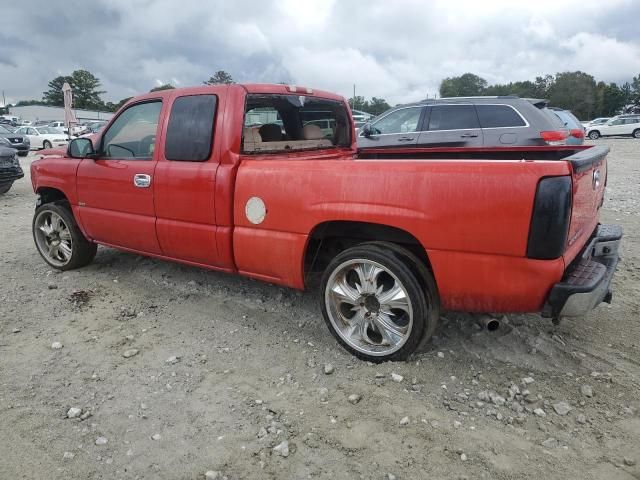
[{"x": 465, "y": 122}]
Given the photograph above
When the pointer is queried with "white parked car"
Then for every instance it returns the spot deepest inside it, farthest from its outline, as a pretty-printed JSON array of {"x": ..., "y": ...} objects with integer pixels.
[
  {"x": 620, "y": 125},
  {"x": 60, "y": 126},
  {"x": 44, "y": 137}
]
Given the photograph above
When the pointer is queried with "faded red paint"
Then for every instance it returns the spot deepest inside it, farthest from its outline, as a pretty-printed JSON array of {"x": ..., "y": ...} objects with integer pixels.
[{"x": 471, "y": 216}]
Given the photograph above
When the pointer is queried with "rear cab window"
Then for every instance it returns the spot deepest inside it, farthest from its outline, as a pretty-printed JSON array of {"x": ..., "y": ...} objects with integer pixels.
[{"x": 278, "y": 123}]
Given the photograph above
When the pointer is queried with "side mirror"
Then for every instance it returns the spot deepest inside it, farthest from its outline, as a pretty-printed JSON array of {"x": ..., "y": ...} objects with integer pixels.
[
  {"x": 366, "y": 130},
  {"x": 81, "y": 148}
]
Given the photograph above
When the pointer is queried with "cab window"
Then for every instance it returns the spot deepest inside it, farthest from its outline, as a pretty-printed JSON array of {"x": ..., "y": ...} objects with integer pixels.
[
  {"x": 133, "y": 134},
  {"x": 276, "y": 123},
  {"x": 190, "y": 130}
]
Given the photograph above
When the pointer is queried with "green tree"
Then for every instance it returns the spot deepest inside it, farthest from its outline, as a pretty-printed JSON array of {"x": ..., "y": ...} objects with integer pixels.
[
  {"x": 359, "y": 103},
  {"x": 375, "y": 106},
  {"x": 543, "y": 86},
  {"x": 166, "y": 86},
  {"x": 54, "y": 96},
  {"x": 627, "y": 93},
  {"x": 522, "y": 89},
  {"x": 24, "y": 103},
  {"x": 378, "y": 106},
  {"x": 635, "y": 90},
  {"x": 467, "y": 85},
  {"x": 114, "y": 107},
  {"x": 219, "y": 77},
  {"x": 85, "y": 90},
  {"x": 609, "y": 100},
  {"x": 574, "y": 91}
]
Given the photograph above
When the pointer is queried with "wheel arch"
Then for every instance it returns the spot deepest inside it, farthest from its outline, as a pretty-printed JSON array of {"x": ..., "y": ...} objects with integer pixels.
[
  {"x": 329, "y": 238},
  {"x": 50, "y": 194}
]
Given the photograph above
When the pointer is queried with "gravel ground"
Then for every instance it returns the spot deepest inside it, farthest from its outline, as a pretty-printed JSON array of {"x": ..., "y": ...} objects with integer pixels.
[{"x": 169, "y": 372}]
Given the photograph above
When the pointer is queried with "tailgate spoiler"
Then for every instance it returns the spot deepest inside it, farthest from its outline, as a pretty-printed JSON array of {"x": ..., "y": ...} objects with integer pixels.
[{"x": 584, "y": 159}]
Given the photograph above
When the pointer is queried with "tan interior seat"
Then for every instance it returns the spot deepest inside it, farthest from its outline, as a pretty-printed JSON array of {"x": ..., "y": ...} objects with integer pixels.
[{"x": 311, "y": 132}]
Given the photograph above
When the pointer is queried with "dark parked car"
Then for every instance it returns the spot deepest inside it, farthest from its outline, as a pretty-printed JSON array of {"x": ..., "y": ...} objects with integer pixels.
[
  {"x": 10, "y": 169},
  {"x": 465, "y": 122},
  {"x": 20, "y": 142}
]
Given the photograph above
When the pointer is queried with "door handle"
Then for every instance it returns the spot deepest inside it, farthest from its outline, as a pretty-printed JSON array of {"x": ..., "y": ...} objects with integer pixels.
[
  {"x": 142, "y": 180},
  {"x": 406, "y": 139},
  {"x": 469, "y": 135}
]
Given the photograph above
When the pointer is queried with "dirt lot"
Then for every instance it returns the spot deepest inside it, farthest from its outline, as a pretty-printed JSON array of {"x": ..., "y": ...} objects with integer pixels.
[{"x": 228, "y": 368}]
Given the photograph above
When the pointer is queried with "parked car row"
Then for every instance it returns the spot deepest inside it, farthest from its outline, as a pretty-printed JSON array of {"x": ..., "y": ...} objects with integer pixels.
[{"x": 627, "y": 125}]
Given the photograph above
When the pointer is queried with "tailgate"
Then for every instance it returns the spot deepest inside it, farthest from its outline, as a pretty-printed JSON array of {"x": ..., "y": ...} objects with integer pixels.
[{"x": 589, "y": 174}]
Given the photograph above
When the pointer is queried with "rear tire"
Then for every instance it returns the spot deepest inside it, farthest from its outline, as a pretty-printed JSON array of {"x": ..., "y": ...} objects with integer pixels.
[
  {"x": 59, "y": 239},
  {"x": 636, "y": 133},
  {"x": 46, "y": 145},
  {"x": 5, "y": 187},
  {"x": 594, "y": 134},
  {"x": 23, "y": 153},
  {"x": 374, "y": 303}
]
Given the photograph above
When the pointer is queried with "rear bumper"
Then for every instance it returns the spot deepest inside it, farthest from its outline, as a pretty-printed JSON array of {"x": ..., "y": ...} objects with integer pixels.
[{"x": 587, "y": 281}]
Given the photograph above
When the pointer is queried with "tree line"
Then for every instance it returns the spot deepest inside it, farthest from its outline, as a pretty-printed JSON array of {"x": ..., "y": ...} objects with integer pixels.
[
  {"x": 575, "y": 91},
  {"x": 87, "y": 93}
]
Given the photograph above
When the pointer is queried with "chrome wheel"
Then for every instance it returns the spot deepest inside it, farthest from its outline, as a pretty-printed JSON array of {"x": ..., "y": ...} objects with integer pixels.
[
  {"x": 53, "y": 238},
  {"x": 369, "y": 307}
]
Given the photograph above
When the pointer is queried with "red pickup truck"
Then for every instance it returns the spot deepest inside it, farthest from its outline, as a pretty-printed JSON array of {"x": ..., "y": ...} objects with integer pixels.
[{"x": 266, "y": 181}]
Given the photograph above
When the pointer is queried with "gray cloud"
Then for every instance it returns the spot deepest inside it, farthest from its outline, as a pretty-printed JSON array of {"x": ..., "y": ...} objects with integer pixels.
[{"x": 398, "y": 50}]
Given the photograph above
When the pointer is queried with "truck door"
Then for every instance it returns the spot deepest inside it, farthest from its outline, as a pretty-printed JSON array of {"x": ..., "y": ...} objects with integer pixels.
[
  {"x": 451, "y": 126},
  {"x": 186, "y": 181},
  {"x": 115, "y": 191}
]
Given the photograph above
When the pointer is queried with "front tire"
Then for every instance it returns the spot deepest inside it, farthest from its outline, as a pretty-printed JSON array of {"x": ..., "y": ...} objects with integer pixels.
[
  {"x": 594, "y": 135},
  {"x": 374, "y": 304},
  {"x": 636, "y": 133},
  {"x": 46, "y": 145},
  {"x": 59, "y": 239}
]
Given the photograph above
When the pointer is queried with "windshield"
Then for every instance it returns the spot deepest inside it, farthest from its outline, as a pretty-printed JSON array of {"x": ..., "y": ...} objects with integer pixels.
[
  {"x": 4, "y": 130},
  {"x": 275, "y": 123}
]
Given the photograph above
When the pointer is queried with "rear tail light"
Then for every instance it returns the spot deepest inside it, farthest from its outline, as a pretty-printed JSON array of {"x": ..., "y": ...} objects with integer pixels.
[
  {"x": 576, "y": 132},
  {"x": 555, "y": 137},
  {"x": 550, "y": 218}
]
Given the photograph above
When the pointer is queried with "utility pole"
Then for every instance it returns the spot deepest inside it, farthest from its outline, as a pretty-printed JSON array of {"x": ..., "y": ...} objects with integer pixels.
[{"x": 353, "y": 103}]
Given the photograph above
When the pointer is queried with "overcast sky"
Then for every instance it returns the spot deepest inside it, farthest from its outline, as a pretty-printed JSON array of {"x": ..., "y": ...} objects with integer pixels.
[{"x": 398, "y": 50}]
